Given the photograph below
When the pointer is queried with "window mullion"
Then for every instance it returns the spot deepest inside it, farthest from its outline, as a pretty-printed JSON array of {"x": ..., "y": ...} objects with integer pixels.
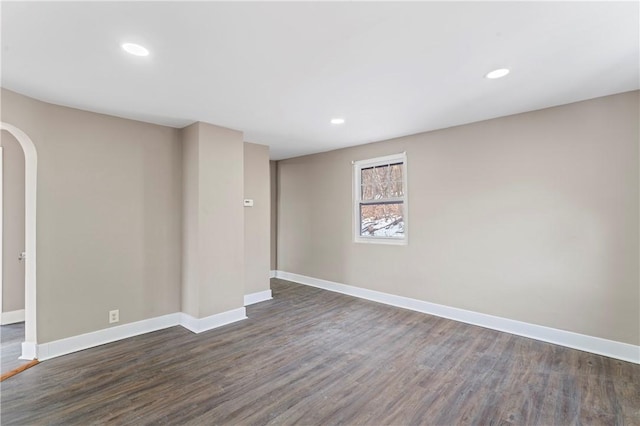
[{"x": 383, "y": 201}]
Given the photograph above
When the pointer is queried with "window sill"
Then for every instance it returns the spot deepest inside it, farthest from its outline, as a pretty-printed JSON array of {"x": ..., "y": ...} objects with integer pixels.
[{"x": 386, "y": 241}]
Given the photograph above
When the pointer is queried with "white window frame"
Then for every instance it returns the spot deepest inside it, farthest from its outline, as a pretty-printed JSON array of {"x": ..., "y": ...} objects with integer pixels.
[{"x": 357, "y": 199}]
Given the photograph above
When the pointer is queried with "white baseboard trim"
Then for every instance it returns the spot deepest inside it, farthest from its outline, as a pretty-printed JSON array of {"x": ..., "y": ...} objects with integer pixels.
[
  {"x": 272, "y": 274},
  {"x": 29, "y": 351},
  {"x": 198, "y": 325},
  {"x": 72, "y": 344},
  {"x": 597, "y": 345},
  {"x": 258, "y": 297},
  {"x": 89, "y": 340},
  {"x": 12, "y": 317}
]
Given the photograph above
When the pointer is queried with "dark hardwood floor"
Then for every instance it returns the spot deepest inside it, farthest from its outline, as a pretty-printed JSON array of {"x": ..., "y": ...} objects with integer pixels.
[
  {"x": 12, "y": 336},
  {"x": 314, "y": 357}
]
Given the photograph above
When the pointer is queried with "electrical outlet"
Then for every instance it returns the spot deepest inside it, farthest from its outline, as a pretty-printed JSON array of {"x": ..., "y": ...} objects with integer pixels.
[{"x": 114, "y": 316}]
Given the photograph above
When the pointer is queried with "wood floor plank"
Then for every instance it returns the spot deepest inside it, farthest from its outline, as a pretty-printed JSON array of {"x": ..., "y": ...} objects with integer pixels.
[
  {"x": 11, "y": 338},
  {"x": 314, "y": 357}
]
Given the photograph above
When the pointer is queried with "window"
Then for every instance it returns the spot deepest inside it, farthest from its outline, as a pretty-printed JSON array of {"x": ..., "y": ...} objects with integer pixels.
[{"x": 380, "y": 194}]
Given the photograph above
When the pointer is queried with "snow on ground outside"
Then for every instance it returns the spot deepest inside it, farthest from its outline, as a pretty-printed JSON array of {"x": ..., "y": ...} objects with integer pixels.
[{"x": 392, "y": 226}]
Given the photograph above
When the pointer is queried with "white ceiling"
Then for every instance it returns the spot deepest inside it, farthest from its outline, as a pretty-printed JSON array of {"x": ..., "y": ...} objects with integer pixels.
[{"x": 280, "y": 71}]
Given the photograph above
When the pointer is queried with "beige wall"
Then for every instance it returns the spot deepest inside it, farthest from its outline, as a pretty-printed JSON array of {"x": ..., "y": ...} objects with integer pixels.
[
  {"x": 213, "y": 226},
  {"x": 273, "y": 179},
  {"x": 108, "y": 216},
  {"x": 532, "y": 217},
  {"x": 110, "y": 205},
  {"x": 190, "y": 218},
  {"x": 257, "y": 218},
  {"x": 13, "y": 223},
  {"x": 221, "y": 219}
]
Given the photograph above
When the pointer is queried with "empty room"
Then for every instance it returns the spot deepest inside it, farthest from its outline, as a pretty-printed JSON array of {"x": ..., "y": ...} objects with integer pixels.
[{"x": 317, "y": 213}]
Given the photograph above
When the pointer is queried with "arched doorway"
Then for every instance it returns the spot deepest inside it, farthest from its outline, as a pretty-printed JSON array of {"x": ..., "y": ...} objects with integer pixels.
[{"x": 31, "y": 164}]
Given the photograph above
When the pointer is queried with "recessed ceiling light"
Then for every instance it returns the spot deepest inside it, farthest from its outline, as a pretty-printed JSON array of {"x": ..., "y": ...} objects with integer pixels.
[
  {"x": 337, "y": 121},
  {"x": 500, "y": 72},
  {"x": 135, "y": 49}
]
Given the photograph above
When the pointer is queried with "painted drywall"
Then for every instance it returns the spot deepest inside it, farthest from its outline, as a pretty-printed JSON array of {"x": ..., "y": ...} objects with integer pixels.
[
  {"x": 257, "y": 219},
  {"x": 214, "y": 227},
  {"x": 190, "y": 212},
  {"x": 108, "y": 215},
  {"x": 532, "y": 217},
  {"x": 13, "y": 223},
  {"x": 273, "y": 180},
  {"x": 221, "y": 219}
]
